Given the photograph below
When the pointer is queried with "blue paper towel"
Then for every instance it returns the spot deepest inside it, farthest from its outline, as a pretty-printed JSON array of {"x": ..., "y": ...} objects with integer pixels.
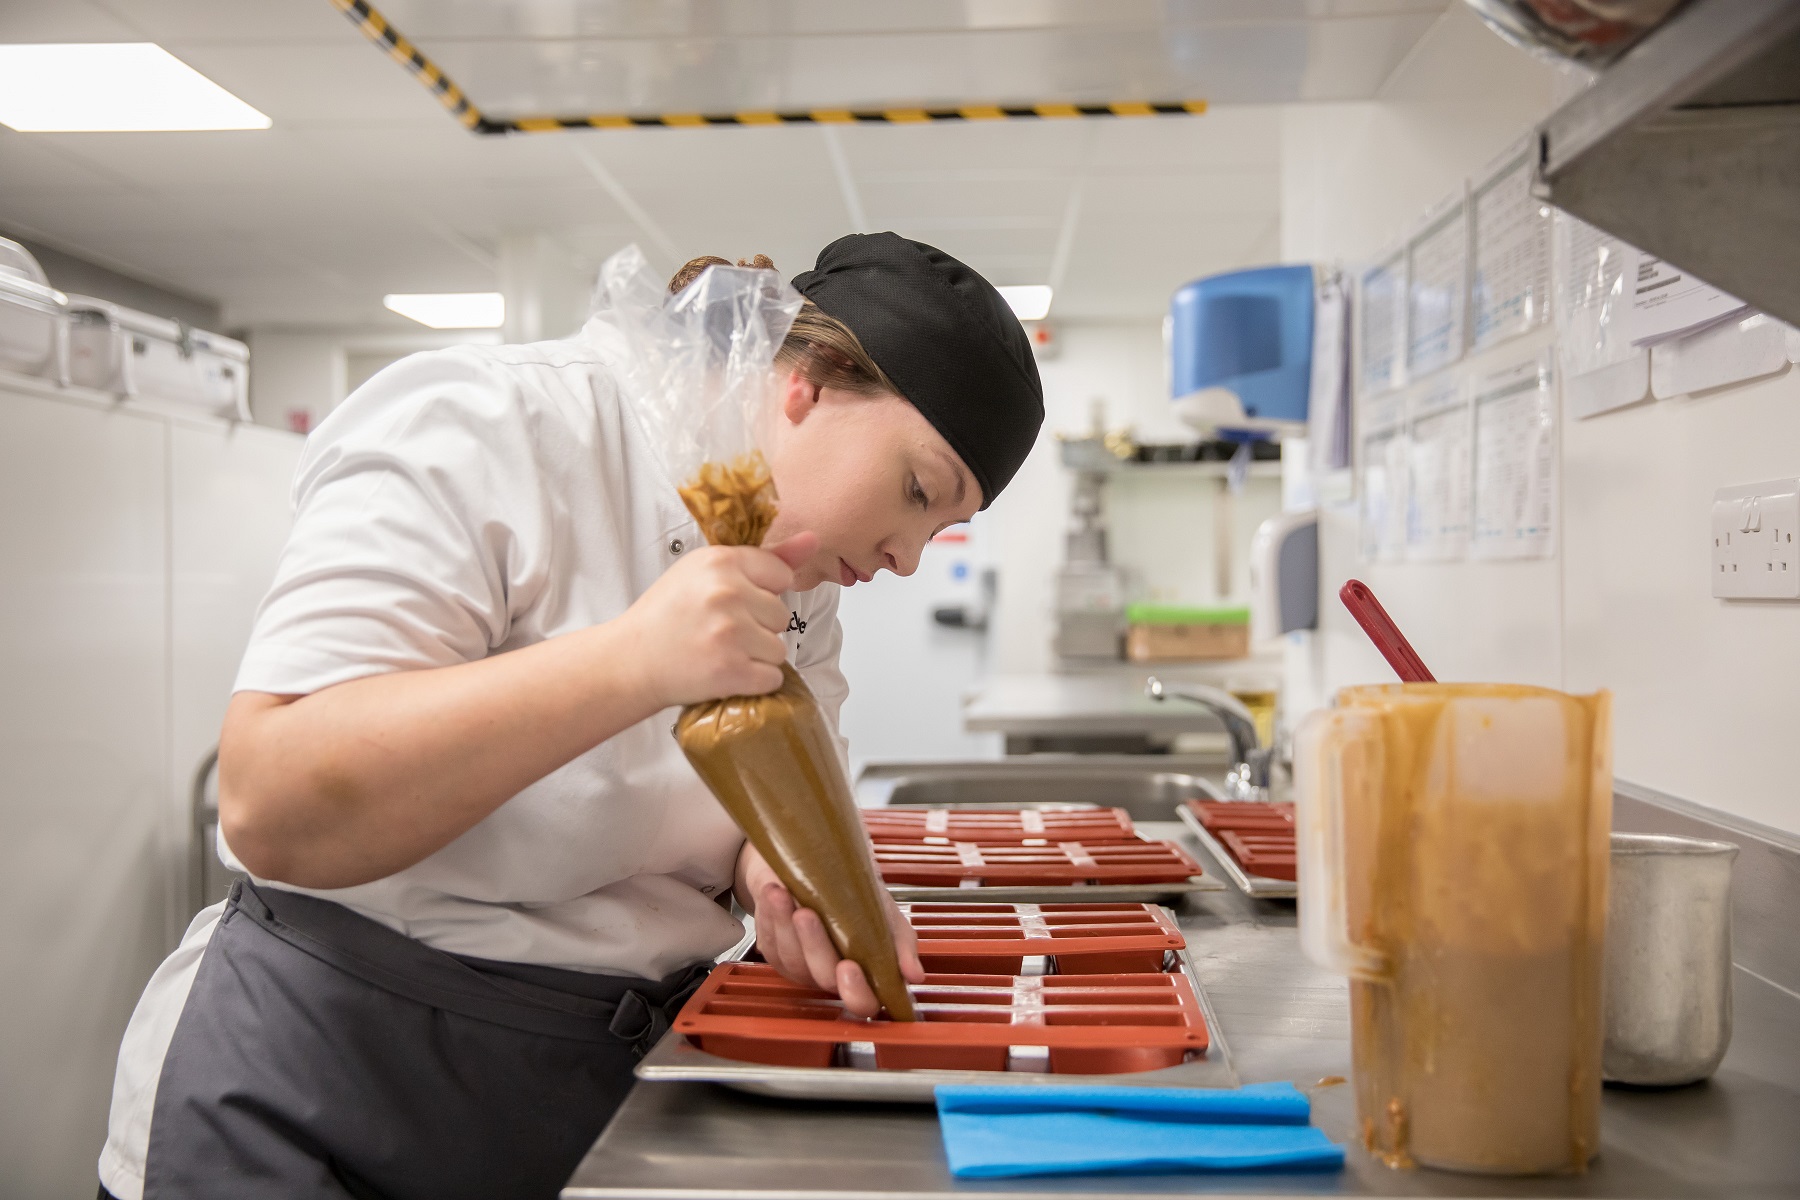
[{"x": 999, "y": 1132}]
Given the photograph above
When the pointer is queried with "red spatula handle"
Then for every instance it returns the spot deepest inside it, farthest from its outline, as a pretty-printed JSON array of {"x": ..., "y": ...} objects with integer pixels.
[{"x": 1384, "y": 633}]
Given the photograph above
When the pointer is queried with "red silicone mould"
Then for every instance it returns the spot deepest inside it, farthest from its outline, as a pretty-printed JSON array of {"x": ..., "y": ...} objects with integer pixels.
[
  {"x": 1271, "y": 855},
  {"x": 1081, "y": 939},
  {"x": 1028, "y": 826},
  {"x": 1059, "y": 863},
  {"x": 1260, "y": 836},
  {"x": 1091, "y": 1024},
  {"x": 1242, "y": 814}
]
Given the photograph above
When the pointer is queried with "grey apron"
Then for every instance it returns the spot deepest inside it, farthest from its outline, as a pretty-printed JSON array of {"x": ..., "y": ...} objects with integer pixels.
[{"x": 321, "y": 1054}]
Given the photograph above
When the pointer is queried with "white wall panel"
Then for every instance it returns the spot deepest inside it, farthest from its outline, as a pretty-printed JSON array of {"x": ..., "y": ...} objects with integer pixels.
[
  {"x": 85, "y": 871},
  {"x": 1705, "y": 689}
]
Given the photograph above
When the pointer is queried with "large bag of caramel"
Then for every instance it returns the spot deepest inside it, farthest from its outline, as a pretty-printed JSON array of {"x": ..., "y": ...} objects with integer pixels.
[{"x": 700, "y": 369}]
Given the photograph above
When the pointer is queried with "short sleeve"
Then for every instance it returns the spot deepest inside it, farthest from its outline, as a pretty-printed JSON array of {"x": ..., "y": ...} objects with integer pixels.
[{"x": 418, "y": 526}]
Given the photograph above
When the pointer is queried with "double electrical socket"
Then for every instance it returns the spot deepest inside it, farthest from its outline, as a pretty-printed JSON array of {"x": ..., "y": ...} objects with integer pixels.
[{"x": 1754, "y": 554}]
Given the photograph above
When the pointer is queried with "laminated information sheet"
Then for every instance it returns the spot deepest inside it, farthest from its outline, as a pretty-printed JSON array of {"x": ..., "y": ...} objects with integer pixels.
[
  {"x": 1510, "y": 292},
  {"x": 1381, "y": 323},
  {"x": 1384, "y": 487},
  {"x": 1439, "y": 471},
  {"x": 1515, "y": 462},
  {"x": 1437, "y": 272},
  {"x": 1601, "y": 369}
]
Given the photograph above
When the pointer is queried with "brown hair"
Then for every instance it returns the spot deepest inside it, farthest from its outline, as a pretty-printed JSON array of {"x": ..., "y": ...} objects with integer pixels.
[{"x": 819, "y": 346}]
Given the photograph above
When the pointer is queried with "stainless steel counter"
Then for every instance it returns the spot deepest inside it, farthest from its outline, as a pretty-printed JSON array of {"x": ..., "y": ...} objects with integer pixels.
[
  {"x": 1735, "y": 1136},
  {"x": 1039, "y": 712}
]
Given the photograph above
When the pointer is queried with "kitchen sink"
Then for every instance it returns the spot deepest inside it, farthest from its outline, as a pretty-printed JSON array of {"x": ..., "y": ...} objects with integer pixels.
[{"x": 1147, "y": 790}]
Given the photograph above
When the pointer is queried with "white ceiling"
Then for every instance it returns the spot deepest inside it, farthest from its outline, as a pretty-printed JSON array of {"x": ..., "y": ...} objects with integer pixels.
[{"x": 364, "y": 185}]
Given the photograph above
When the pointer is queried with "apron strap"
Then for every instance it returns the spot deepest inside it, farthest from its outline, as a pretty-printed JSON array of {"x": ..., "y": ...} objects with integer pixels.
[{"x": 581, "y": 1005}]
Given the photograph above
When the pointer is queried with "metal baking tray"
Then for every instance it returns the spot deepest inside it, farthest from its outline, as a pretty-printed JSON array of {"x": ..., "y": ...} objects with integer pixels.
[
  {"x": 1260, "y": 886},
  {"x": 1080, "y": 893},
  {"x": 673, "y": 1059}
]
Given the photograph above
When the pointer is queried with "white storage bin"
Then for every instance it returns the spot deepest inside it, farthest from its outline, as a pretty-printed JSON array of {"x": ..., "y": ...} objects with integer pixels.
[
  {"x": 32, "y": 317},
  {"x": 133, "y": 354}
]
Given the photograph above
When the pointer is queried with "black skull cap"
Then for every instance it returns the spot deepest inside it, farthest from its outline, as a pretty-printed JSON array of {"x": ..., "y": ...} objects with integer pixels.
[{"x": 946, "y": 338}]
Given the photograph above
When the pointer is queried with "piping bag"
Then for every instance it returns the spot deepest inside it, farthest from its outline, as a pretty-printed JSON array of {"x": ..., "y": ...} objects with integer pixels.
[{"x": 699, "y": 374}]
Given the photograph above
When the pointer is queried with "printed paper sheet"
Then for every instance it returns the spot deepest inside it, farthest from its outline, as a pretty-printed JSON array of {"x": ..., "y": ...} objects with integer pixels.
[
  {"x": 1384, "y": 487},
  {"x": 1381, "y": 303},
  {"x": 1510, "y": 292},
  {"x": 1515, "y": 462},
  {"x": 1328, "y": 406},
  {"x": 1439, "y": 474},
  {"x": 1601, "y": 369},
  {"x": 1437, "y": 262},
  {"x": 1667, "y": 302}
]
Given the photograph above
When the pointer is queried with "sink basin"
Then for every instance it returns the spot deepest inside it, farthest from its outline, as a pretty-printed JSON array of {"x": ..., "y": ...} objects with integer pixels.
[{"x": 1146, "y": 791}]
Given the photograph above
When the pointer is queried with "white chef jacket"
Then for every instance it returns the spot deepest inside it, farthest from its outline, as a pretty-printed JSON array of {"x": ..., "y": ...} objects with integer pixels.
[{"x": 463, "y": 503}]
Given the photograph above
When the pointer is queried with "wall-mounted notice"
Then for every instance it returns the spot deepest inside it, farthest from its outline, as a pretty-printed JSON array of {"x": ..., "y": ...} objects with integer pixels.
[
  {"x": 1510, "y": 290},
  {"x": 1384, "y": 487},
  {"x": 1732, "y": 351},
  {"x": 1329, "y": 421},
  {"x": 1438, "y": 473},
  {"x": 1667, "y": 302},
  {"x": 1437, "y": 270},
  {"x": 1601, "y": 369},
  {"x": 1515, "y": 462},
  {"x": 1381, "y": 324}
]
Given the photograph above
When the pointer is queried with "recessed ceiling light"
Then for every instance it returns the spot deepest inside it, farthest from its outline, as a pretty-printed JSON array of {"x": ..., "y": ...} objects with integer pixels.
[
  {"x": 1029, "y": 302},
  {"x": 451, "y": 310},
  {"x": 112, "y": 87}
]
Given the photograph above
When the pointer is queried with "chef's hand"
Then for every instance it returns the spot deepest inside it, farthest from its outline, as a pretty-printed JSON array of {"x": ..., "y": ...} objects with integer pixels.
[
  {"x": 793, "y": 939},
  {"x": 712, "y": 625}
]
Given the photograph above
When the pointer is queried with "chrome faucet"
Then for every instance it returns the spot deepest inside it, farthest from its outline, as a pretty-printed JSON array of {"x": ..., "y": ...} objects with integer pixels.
[{"x": 1248, "y": 778}]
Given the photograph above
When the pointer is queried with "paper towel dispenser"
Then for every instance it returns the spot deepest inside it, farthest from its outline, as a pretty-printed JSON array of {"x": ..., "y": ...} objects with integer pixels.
[{"x": 1240, "y": 351}]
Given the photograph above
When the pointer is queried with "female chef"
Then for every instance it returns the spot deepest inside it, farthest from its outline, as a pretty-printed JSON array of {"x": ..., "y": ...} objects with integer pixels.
[{"x": 483, "y": 876}]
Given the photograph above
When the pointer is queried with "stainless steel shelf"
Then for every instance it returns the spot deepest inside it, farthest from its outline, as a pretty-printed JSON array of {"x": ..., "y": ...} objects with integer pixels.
[{"x": 1689, "y": 147}]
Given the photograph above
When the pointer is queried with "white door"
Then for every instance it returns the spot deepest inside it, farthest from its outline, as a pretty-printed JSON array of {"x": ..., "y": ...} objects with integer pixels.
[{"x": 909, "y": 673}]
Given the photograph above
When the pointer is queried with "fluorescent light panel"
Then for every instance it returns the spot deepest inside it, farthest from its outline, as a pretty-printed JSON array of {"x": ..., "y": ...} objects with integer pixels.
[
  {"x": 112, "y": 87},
  {"x": 1029, "y": 302},
  {"x": 450, "y": 310}
]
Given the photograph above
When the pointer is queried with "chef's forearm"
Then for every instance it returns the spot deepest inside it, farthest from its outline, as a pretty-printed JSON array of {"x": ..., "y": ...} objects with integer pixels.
[{"x": 357, "y": 781}]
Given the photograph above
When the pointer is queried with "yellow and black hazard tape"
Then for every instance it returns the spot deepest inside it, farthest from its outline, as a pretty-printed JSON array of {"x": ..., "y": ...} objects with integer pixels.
[
  {"x": 377, "y": 29},
  {"x": 857, "y": 116}
]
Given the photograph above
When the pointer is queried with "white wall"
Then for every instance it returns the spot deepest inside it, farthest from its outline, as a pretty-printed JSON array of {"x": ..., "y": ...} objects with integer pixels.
[
  {"x": 308, "y": 370},
  {"x": 909, "y": 675},
  {"x": 1162, "y": 522},
  {"x": 1704, "y": 689}
]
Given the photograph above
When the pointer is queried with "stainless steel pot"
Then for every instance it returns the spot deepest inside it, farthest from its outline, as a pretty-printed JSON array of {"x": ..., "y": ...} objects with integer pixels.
[{"x": 1668, "y": 959}]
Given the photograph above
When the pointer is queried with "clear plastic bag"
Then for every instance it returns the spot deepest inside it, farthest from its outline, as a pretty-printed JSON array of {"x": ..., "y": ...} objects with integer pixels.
[{"x": 699, "y": 372}]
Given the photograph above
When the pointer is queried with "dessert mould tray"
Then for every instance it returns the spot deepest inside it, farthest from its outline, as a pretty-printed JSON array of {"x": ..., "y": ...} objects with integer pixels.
[
  {"x": 849, "y": 1069},
  {"x": 1260, "y": 886}
]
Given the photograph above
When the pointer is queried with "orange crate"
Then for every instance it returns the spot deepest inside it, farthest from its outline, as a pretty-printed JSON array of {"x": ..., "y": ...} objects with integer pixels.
[
  {"x": 1025, "y": 826},
  {"x": 1091, "y": 1024},
  {"x": 1082, "y": 939},
  {"x": 1056, "y": 864}
]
